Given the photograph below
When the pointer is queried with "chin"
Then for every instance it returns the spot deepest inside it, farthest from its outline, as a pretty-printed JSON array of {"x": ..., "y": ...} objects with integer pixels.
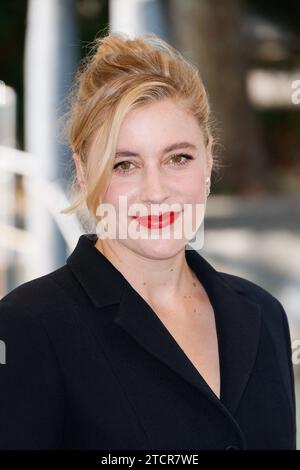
[{"x": 159, "y": 249}]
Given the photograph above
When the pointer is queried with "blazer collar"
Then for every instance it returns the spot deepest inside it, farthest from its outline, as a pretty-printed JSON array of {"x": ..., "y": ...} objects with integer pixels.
[{"x": 238, "y": 319}]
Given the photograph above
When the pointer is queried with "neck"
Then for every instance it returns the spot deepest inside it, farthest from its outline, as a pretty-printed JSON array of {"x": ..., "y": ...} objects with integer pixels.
[{"x": 158, "y": 281}]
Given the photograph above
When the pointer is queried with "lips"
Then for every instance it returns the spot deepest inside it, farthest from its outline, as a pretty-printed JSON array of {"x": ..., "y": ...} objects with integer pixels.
[{"x": 158, "y": 221}]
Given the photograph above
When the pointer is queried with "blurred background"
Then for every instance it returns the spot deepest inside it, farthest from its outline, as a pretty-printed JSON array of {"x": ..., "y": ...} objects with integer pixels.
[{"x": 248, "y": 54}]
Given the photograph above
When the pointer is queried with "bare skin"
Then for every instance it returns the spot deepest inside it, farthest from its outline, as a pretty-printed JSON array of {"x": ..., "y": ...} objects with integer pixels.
[{"x": 191, "y": 322}]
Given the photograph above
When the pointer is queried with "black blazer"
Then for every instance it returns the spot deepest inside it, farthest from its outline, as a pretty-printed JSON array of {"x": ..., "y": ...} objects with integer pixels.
[{"x": 89, "y": 365}]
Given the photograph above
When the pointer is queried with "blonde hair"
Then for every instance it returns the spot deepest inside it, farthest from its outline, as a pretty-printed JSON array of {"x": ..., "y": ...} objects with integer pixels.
[{"x": 118, "y": 75}]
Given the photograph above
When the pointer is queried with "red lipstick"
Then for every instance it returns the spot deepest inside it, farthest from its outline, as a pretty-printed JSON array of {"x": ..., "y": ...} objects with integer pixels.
[{"x": 158, "y": 221}]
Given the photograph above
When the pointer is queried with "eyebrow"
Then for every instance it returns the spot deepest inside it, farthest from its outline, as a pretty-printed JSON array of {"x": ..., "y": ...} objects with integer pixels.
[{"x": 176, "y": 146}]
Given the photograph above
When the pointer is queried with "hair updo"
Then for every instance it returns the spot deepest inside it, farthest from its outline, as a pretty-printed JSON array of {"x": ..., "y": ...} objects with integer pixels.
[{"x": 118, "y": 75}]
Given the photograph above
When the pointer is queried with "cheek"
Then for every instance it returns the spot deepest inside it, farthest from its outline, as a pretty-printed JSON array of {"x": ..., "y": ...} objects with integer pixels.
[
  {"x": 193, "y": 187},
  {"x": 117, "y": 188}
]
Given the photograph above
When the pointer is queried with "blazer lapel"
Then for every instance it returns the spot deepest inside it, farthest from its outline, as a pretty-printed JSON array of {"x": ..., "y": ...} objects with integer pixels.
[
  {"x": 237, "y": 319},
  {"x": 140, "y": 321},
  {"x": 238, "y": 331}
]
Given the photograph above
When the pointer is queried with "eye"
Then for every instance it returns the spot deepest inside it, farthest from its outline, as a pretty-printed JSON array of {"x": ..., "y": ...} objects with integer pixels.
[
  {"x": 179, "y": 162},
  {"x": 119, "y": 167},
  {"x": 122, "y": 170}
]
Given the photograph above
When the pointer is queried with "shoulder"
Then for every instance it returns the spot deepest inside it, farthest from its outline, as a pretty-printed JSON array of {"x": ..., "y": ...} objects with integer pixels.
[
  {"x": 273, "y": 316},
  {"x": 43, "y": 296},
  {"x": 36, "y": 312},
  {"x": 31, "y": 383},
  {"x": 273, "y": 313},
  {"x": 250, "y": 289},
  {"x": 275, "y": 321}
]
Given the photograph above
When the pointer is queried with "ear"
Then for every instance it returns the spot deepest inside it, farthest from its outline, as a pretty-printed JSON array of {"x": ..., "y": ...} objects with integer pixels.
[{"x": 79, "y": 171}]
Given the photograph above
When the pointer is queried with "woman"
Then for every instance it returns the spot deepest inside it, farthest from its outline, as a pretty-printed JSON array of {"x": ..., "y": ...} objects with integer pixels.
[{"x": 137, "y": 342}]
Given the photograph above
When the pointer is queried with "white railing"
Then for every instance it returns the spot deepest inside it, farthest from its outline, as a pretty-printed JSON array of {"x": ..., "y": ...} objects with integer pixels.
[
  {"x": 24, "y": 248},
  {"x": 45, "y": 193}
]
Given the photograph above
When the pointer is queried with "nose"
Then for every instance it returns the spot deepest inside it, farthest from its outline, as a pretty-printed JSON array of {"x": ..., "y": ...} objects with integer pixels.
[{"x": 154, "y": 187}]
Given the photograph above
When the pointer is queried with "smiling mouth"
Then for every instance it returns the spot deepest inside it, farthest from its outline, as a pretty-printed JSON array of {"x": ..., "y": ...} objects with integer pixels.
[{"x": 157, "y": 221}]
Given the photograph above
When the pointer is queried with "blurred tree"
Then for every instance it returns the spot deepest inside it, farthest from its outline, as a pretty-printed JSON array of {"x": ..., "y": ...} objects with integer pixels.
[
  {"x": 286, "y": 14},
  {"x": 12, "y": 32},
  {"x": 92, "y": 18},
  {"x": 210, "y": 33},
  {"x": 93, "y": 21}
]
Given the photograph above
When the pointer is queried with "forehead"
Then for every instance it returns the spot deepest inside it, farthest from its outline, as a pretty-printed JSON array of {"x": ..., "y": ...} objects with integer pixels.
[{"x": 158, "y": 124}]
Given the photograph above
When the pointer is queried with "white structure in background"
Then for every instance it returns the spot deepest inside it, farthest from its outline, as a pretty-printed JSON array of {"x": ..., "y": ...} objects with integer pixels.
[
  {"x": 48, "y": 198},
  {"x": 8, "y": 106},
  {"x": 49, "y": 63},
  {"x": 273, "y": 89},
  {"x": 135, "y": 17}
]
